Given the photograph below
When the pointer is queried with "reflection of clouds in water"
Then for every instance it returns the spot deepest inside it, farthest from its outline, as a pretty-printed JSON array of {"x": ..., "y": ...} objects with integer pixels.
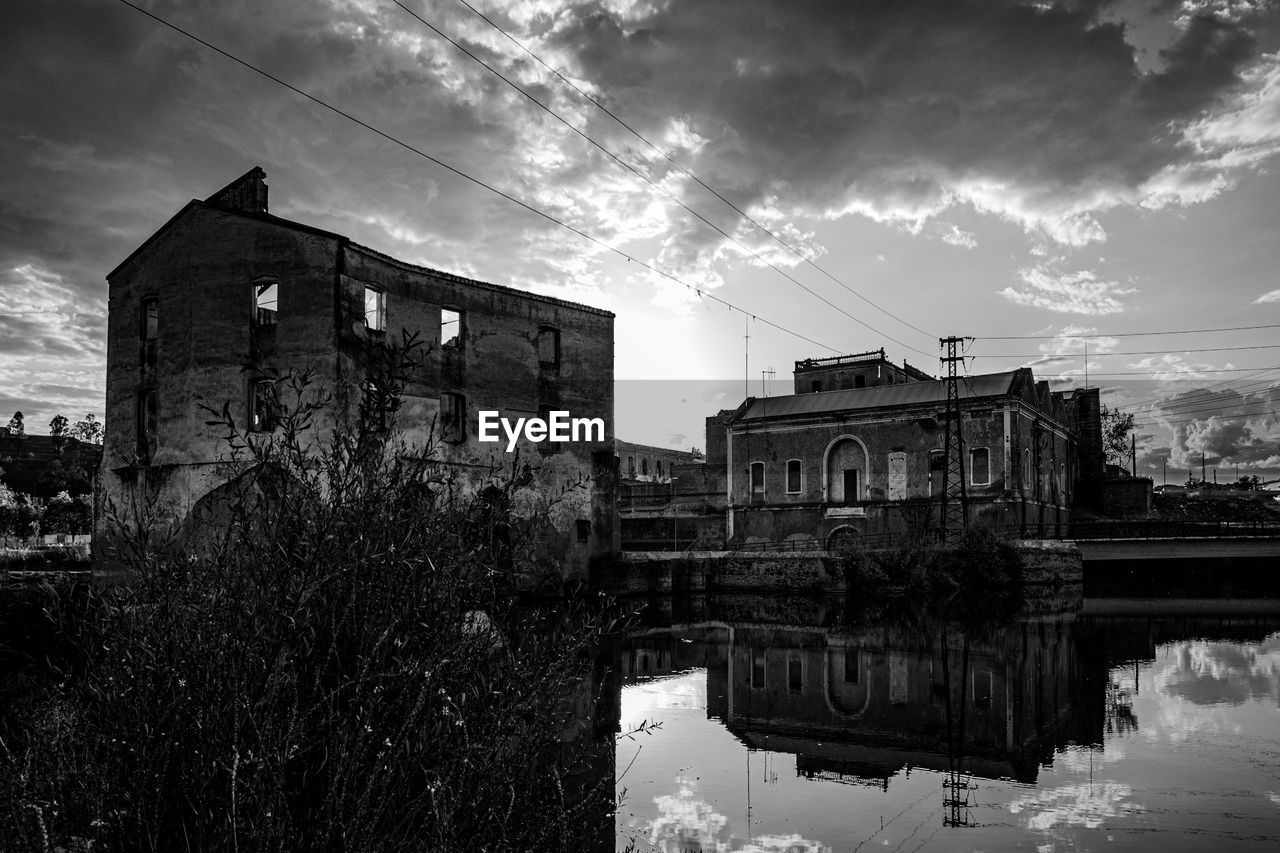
[
  {"x": 1212, "y": 673},
  {"x": 1084, "y": 759},
  {"x": 686, "y": 823},
  {"x": 1083, "y": 804},
  {"x": 1274, "y": 798},
  {"x": 1197, "y": 683},
  {"x": 685, "y": 692}
]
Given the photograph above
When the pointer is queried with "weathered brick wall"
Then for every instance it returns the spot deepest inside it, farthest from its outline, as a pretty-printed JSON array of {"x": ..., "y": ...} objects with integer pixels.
[{"x": 201, "y": 268}]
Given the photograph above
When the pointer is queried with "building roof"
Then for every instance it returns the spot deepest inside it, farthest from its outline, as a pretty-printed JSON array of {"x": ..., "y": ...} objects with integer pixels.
[
  {"x": 884, "y": 396},
  {"x": 214, "y": 202}
]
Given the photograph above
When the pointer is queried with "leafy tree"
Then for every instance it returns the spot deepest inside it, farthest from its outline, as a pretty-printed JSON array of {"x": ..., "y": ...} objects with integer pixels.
[
  {"x": 1116, "y": 427},
  {"x": 16, "y": 426},
  {"x": 88, "y": 430},
  {"x": 58, "y": 426}
]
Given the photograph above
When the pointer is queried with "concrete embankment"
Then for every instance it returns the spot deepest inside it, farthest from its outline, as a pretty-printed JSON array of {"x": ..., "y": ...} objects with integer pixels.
[{"x": 1044, "y": 562}]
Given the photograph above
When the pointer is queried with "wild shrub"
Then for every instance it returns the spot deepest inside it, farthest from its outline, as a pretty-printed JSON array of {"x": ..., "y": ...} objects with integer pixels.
[{"x": 344, "y": 666}]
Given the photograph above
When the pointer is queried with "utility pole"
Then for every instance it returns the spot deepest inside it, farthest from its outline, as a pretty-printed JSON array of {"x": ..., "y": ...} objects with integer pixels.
[{"x": 955, "y": 511}]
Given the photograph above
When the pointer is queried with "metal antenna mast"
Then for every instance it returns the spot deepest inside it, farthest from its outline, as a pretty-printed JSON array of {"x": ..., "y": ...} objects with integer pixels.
[{"x": 955, "y": 499}]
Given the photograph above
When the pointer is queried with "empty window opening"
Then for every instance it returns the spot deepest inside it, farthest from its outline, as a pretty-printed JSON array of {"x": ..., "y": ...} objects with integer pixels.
[
  {"x": 757, "y": 479},
  {"x": 860, "y": 381},
  {"x": 264, "y": 405},
  {"x": 982, "y": 684},
  {"x": 149, "y": 330},
  {"x": 793, "y": 476},
  {"x": 849, "y": 480},
  {"x": 795, "y": 675},
  {"x": 757, "y": 670},
  {"x": 266, "y": 295},
  {"x": 453, "y": 410},
  {"x": 584, "y": 531},
  {"x": 937, "y": 469},
  {"x": 657, "y": 467},
  {"x": 644, "y": 467},
  {"x": 450, "y": 328},
  {"x": 375, "y": 309},
  {"x": 548, "y": 346},
  {"x": 150, "y": 327},
  {"x": 851, "y": 672},
  {"x": 980, "y": 466},
  {"x": 631, "y": 466},
  {"x": 817, "y": 386},
  {"x": 147, "y": 420}
]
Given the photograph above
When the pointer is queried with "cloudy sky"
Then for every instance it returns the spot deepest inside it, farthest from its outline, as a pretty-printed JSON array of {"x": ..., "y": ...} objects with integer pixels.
[{"x": 1024, "y": 173}]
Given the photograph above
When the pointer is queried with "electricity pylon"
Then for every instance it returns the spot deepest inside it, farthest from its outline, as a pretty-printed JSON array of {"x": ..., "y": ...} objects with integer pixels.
[{"x": 955, "y": 500}]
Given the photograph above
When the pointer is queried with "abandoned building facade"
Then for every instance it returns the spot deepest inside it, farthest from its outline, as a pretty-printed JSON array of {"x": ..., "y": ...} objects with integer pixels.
[
  {"x": 858, "y": 451},
  {"x": 225, "y": 298}
]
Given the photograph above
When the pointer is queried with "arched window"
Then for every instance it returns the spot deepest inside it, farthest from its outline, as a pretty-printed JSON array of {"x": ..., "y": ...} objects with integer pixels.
[
  {"x": 980, "y": 466},
  {"x": 794, "y": 480}
]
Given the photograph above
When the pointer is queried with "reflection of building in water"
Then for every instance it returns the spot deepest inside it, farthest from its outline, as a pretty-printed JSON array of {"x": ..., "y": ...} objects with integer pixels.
[
  {"x": 668, "y": 653},
  {"x": 861, "y": 704}
]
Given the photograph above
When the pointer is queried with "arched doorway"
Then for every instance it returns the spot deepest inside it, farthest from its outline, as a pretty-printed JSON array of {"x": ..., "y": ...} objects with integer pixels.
[{"x": 846, "y": 471}]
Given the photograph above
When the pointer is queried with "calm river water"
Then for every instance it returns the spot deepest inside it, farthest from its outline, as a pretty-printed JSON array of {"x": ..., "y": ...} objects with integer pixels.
[{"x": 800, "y": 727}]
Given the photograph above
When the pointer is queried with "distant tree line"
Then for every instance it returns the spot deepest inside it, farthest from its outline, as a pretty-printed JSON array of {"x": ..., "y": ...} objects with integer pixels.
[{"x": 40, "y": 494}]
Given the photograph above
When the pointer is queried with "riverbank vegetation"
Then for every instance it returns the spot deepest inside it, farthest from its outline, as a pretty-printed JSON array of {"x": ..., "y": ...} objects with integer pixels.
[
  {"x": 345, "y": 666},
  {"x": 979, "y": 572}
]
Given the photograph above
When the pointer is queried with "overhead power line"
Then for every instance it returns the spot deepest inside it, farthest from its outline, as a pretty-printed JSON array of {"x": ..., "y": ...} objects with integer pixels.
[
  {"x": 1124, "y": 334},
  {"x": 679, "y": 166},
  {"x": 1169, "y": 376},
  {"x": 460, "y": 173},
  {"x": 1218, "y": 407},
  {"x": 638, "y": 173},
  {"x": 1205, "y": 418},
  {"x": 1075, "y": 355},
  {"x": 642, "y": 176},
  {"x": 1171, "y": 403}
]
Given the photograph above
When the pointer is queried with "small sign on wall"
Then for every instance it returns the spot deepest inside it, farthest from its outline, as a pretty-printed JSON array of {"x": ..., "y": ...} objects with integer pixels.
[{"x": 897, "y": 476}]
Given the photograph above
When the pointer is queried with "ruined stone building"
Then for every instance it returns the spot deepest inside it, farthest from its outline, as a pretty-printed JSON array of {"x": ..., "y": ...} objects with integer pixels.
[
  {"x": 662, "y": 495},
  {"x": 645, "y": 463},
  {"x": 225, "y": 298},
  {"x": 857, "y": 452}
]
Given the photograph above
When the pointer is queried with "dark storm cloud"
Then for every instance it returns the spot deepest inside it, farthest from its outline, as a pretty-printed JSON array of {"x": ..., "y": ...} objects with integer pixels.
[{"x": 898, "y": 109}]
